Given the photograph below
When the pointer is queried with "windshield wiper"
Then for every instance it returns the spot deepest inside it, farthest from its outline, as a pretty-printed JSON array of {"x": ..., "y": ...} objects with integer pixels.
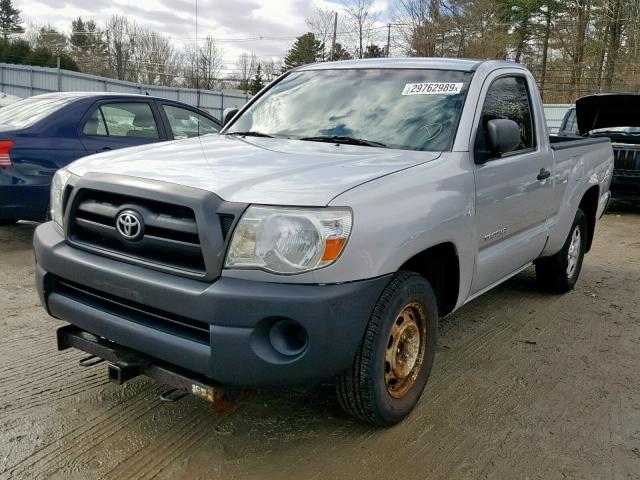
[
  {"x": 251, "y": 133},
  {"x": 343, "y": 139}
]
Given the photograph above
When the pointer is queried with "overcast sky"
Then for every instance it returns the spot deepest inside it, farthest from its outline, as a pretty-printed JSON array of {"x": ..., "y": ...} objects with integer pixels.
[{"x": 236, "y": 23}]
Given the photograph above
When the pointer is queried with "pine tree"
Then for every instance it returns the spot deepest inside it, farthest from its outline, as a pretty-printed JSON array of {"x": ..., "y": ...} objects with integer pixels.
[
  {"x": 374, "y": 51},
  {"x": 306, "y": 49},
  {"x": 341, "y": 53},
  {"x": 257, "y": 82},
  {"x": 16, "y": 51},
  {"x": 88, "y": 46},
  {"x": 10, "y": 21}
]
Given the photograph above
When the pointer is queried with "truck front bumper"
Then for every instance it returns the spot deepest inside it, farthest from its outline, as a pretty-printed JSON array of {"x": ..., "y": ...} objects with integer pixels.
[{"x": 236, "y": 332}]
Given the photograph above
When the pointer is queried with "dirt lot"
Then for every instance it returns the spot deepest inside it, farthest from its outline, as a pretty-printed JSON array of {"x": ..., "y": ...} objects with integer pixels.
[{"x": 525, "y": 385}]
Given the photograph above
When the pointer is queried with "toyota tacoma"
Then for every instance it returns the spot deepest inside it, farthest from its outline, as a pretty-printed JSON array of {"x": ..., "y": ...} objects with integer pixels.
[{"x": 322, "y": 234}]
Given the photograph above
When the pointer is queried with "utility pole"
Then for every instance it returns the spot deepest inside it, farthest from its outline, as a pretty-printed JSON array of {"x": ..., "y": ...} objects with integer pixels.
[
  {"x": 333, "y": 41},
  {"x": 388, "y": 38},
  {"x": 197, "y": 53}
]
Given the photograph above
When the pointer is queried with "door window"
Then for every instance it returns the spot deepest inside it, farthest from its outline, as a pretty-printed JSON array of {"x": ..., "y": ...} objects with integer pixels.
[
  {"x": 571, "y": 122},
  {"x": 187, "y": 123},
  {"x": 508, "y": 98},
  {"x": 123, "y": 120},
  {"x": 95, "y": 125}
]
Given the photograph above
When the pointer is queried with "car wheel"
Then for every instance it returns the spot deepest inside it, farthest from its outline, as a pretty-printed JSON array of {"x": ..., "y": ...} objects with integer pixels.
[
  {"x": 393, "y": 363},
  {"x": 4, "y": 222},
  {"x": 559, "y": 273}
]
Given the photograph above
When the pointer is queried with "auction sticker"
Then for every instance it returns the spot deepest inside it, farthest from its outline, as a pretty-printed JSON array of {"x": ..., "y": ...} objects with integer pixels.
[{"x": 438, "y": 88}]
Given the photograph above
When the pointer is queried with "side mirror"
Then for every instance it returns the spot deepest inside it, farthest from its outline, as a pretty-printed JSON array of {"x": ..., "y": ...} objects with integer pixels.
[
  {"x": 503, "y": 136},
  {"x": 228, "y": 114}
]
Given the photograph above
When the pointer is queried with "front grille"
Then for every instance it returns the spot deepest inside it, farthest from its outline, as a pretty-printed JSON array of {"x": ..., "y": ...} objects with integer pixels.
[
  {"x": 626, "y": 159},
  {"x": 170, "y": 235},
  {"x": 132, "y": 311}
]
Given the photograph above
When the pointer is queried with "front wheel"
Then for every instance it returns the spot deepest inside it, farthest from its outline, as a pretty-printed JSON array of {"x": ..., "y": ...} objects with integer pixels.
[
  {"x": 559, "y": 273},
  {"x": 392, "y": 365}
]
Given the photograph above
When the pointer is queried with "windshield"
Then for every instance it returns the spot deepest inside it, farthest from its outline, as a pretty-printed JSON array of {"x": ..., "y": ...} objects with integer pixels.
[
  {"x": 30, "y": 110},
  {"x": 404, "y": 109}
]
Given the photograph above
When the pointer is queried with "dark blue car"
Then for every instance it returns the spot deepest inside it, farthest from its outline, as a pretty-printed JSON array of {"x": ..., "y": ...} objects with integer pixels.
[{"x": 41, "y": 134}]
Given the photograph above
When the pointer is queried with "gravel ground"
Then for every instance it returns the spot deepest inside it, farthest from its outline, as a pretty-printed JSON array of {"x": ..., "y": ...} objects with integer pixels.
[{"x": 525, "y": 385}]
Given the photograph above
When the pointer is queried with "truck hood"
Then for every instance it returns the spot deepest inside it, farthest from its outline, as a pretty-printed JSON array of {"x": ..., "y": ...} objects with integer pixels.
[
  {"x": 607, "y": 110},
  {"x": 256, "y": 170}
]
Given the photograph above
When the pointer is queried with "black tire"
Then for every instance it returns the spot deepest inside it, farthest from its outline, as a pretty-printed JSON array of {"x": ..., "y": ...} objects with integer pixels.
[
  {"x": 365, "y": 390},
  {"x": 554, "y": 274},
  {"x": 5, "y": 222}
]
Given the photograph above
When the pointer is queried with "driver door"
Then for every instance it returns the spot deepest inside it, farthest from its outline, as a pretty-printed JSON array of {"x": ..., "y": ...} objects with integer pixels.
[{"x": 512, "y": 190}]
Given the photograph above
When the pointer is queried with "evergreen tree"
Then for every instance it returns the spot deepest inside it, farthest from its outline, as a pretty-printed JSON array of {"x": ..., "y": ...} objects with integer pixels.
[
  {"x": 40, "y": 57},
  {"x": 10, "y": 21},
  {"x": 341, "y": 53},
  {"x": 86, "y": 38},
  {"x": 45, "y": 57},
  {"x": 16, "y": 51},
  {"x": 306, "y": 49},
  {"x": 374, "y": 51},
  {"x": 51, "y": 39},
  {"x": 257, "y": 82},
  {"x": 88, "y": 46}
]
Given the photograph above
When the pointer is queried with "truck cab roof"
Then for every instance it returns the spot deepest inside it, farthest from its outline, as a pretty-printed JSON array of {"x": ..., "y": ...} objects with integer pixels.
[{"x": 463, "y": 65}]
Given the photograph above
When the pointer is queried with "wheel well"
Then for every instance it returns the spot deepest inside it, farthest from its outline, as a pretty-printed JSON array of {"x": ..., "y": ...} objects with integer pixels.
[
  {"x": 589, "y": 205},
  {"x": 439, "y": 264}
]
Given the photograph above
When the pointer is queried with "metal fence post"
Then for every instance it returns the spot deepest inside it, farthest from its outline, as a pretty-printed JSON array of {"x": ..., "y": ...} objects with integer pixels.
[
  {"x": 31, "y": 82},
  {"x": 59, "y": 74},
  {"x": 221, "y": 104}
]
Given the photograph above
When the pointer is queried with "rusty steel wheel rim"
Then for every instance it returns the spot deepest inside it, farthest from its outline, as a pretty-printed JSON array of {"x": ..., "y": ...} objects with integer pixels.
[{"x": 406, "y": 348}]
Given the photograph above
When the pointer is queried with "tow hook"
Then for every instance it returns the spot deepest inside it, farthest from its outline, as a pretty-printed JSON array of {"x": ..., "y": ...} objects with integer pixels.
[{"x": 124, "y": 364}]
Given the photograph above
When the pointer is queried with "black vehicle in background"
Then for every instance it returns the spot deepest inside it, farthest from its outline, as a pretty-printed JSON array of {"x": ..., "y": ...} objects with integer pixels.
[{"x": 617, "y": 116}]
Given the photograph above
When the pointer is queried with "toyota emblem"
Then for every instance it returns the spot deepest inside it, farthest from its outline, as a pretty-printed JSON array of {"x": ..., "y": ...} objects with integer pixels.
[{"x": 130, "y": 225}]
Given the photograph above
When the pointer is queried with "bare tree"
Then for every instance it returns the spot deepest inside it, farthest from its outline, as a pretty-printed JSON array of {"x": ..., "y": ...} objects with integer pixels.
[
  {"x": 321, "y": 25},
  {"x": 202, "y": 65},
  {"x": 421, "y": 22},
  {"x": 121, "y": 47},
  {"x": 246, "y": 67},
  {"x": 155, "y": 59},
  {"x": 271, "y": 69},
  {"x": 361, "y": 18}
]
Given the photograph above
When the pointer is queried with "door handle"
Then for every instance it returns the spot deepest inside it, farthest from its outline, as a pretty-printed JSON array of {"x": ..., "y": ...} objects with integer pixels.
[
  {"x": 544, "y": 174},
  {"x": 106, "y": 149}
]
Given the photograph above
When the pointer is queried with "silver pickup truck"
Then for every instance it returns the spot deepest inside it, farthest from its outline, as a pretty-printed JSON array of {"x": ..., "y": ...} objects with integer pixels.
[{"x": 321, "y": 236}]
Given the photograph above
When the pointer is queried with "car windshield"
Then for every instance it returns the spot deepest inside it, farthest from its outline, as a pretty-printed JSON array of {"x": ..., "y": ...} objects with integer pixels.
[
  {"x": 27, "y": 112},
  {"x": 405, "y": 109}
]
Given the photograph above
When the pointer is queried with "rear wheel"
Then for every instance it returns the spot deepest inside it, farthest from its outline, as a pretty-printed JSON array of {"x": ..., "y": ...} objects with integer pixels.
[
  {"x": 559, "y": 273},
  {"x": 392, "y": 366}
]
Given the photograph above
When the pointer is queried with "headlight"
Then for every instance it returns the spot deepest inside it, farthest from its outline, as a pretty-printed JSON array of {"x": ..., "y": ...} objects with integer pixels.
[
  {"x": 289, "y": 240},
  {"x": 58, "y": 184}
]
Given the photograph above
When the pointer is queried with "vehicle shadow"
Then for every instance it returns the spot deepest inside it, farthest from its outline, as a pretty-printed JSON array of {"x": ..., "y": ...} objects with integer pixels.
[{"x": 623, "y": 207}]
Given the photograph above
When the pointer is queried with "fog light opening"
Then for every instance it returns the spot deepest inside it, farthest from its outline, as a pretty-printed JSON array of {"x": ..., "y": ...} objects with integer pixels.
[{"x": 288, "y": 337}]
